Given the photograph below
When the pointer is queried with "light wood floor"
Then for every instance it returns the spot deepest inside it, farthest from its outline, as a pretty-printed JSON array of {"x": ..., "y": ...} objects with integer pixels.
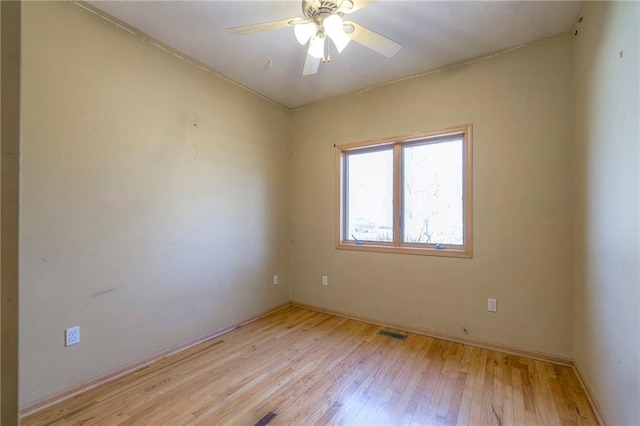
[{"x": 313, "y": 368}]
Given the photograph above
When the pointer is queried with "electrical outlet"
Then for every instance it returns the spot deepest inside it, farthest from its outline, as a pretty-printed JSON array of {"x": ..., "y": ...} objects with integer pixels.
[
  {"x": 325, "y": 280},
  {"x": 275, "y": 280},
  {"x": 492, "y": 305},
  {"x": 72, "y": 335}
]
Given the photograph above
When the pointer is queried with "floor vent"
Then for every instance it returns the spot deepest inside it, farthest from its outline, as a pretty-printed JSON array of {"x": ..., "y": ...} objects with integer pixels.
[
  {"x": 266, "y": 419},
  {"x": 392, "y": 334}
]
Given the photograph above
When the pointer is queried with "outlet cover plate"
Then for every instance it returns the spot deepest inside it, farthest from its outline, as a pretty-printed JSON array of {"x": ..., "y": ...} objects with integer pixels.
[
  {"x": 72, "y": 335},
  {"x": 275, "y": 280},
  {"x": 492, "y": 305}
]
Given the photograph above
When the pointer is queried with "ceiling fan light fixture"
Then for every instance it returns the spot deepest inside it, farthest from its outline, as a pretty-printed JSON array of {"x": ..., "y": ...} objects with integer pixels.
[
  {"x": 334, "y": 27},
  {"x": 316, "y": 46},
  {"x": 305, "y": 31},
  {"x": 323, "y": 19}
]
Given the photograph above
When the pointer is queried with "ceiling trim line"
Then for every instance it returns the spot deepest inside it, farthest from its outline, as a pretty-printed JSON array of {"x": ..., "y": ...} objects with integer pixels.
[
  {"x": 145, "y": 38},
  {"x": 463, "y": 63}
]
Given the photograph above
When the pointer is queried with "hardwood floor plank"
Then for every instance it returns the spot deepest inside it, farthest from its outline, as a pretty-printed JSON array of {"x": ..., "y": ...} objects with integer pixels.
[
  {"x": 508, "y": 404},
  {"x": 478, "y": 372},
  {"x": 406, "y": 380},
  {"x": 314, "y": 368},
  {"x": 544, "y": 400}
]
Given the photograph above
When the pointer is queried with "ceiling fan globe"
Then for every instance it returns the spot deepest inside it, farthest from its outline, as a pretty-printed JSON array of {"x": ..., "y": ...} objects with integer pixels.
[
  {"x": 305, "y": 31},
  {"x": 334, "y": 27},
  {"x": 316, "y": 46}
]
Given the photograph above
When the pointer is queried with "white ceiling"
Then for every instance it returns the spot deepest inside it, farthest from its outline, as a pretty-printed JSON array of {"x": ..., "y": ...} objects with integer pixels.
[{"x": 433, "y": 34}]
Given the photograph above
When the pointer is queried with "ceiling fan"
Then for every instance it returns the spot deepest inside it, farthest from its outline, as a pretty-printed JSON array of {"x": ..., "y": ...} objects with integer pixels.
[{"x": 322, "y": 19}]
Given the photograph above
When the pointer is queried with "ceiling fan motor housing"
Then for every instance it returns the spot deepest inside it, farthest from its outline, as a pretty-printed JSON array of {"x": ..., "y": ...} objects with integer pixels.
[{"x": 315, "y": 9}]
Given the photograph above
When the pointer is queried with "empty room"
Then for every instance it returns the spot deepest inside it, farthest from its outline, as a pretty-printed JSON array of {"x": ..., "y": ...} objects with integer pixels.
[{"x": 320, "y": 212}]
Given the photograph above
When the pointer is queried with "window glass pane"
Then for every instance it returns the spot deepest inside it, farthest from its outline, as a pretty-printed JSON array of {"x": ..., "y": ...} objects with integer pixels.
[
  {"x": 433, "y": 193},
  {"x": 370, "y": 196}
]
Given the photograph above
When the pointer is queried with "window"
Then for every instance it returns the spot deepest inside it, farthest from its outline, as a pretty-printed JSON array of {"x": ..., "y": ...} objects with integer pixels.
[{"x": 410, "y": 194}]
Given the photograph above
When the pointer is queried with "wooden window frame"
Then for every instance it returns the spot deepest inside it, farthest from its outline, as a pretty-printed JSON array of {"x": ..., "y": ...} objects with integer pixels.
[{"x": 343, "y": 241}]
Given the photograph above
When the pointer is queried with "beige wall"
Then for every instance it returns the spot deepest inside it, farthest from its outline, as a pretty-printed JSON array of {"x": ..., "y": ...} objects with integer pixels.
[
  {"x": 607, "y": 190},
  {"x": 520, "y": 107},
  {"x": 154, "y": 199}
]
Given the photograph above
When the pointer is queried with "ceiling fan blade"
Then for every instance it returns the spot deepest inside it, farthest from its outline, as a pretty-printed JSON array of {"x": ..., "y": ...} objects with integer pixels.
[
  {"x": 311, "y": 65},
  {"x": 274, "y": 25},
  {"x": 371, "y": 39},
  {"x": 349, "y": 6}
]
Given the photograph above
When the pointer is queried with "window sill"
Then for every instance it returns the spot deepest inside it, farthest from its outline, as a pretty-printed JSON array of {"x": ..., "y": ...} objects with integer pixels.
[{"x": 422, "y": 251}]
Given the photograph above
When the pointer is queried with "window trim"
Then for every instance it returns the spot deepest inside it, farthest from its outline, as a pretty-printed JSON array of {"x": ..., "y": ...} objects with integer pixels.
[{"x": 397, "y": 246}]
